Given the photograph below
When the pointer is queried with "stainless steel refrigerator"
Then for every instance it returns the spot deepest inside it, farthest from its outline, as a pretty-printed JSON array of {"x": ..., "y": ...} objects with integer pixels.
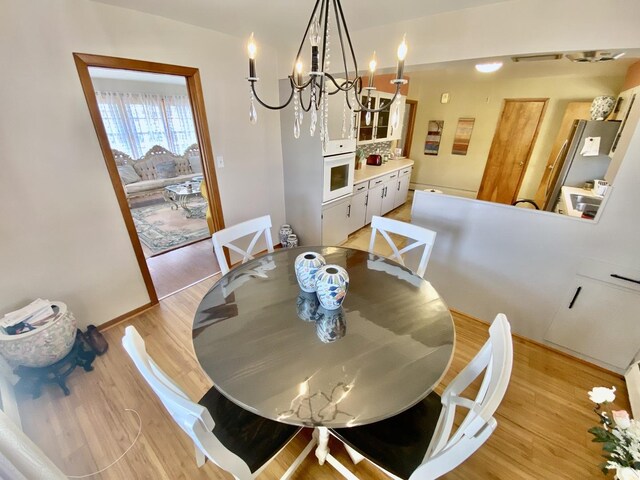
[{"x": 574, "y": 169}]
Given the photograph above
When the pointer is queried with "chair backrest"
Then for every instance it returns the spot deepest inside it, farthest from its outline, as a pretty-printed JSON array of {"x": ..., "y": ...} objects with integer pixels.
[
  {"x": 225, "y": 238},
  {"x": 195, "y": 420},
  {"x": 495, "y": 358},
  {"x": 421, "y": 237}
]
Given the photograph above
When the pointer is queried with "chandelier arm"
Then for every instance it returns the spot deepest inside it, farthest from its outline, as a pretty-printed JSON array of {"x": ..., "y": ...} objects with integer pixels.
[
  {"x": 344, "y": 87},
  {"x": 253, "y": 89},
  {"x": 344, "y": 57},
  {"x": 384, "y": 107},
  {"x": 304, "y": 36},
  {"x": 346, "y": 32},
  {"x": 302, "y": 86},
  {"x": 306, "y": 109}
]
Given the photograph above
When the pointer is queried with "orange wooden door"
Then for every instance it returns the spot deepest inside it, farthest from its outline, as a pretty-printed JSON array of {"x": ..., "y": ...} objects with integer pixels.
[
  {"x": 574, "y": 111},
  {"x": 511, "y": 148}
]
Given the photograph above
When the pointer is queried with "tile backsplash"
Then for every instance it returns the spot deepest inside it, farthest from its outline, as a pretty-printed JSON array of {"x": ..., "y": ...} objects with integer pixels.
[{"x": 379, "y": 147}]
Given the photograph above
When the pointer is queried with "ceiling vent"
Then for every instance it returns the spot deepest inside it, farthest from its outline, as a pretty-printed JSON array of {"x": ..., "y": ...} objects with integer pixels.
[
  {"x": 537, "y": 58},
  {"x": 594, "y": 56}
]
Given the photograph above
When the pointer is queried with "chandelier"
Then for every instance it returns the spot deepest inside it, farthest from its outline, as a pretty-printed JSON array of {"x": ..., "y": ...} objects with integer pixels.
[{"x": 318, "y": 84}]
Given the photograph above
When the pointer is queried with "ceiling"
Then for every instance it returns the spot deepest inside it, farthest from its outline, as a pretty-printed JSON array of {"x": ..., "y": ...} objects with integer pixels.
[{"x": 281, "y": 22}]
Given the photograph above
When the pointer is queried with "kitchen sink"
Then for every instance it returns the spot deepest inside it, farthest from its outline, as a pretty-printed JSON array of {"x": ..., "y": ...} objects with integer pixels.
[{"x": 587, "y": 205}]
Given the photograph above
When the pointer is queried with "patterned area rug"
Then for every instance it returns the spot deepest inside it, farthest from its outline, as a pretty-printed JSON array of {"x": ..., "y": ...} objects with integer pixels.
[{"x": 160, "y": 228}]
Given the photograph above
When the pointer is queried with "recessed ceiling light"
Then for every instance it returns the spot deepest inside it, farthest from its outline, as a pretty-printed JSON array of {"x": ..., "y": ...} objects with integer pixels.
[{"x": 488, "y": 67}]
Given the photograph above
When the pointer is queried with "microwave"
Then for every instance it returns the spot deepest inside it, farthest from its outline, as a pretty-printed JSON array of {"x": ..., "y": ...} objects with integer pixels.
[{"x": 338, "y": 175}]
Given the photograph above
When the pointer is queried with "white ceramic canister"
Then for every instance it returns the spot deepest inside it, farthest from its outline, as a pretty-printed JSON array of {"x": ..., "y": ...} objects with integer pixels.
[
  {"x": 332, "y": 283},
  {"x": 306, "y": 266},
  {"x": 285, "y": 231}
]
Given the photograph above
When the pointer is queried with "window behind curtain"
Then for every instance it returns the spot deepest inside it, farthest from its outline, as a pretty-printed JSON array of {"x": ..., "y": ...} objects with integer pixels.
[{"x": 135, "y": 122}]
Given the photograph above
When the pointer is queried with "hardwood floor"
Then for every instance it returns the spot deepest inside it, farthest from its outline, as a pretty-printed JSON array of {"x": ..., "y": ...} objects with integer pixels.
[
  {"x": 174, "y": 270},
  {"x": 541, "y": 433}
]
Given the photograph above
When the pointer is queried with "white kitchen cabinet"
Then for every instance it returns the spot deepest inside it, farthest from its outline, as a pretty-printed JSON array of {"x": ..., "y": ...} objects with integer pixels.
[
  {"x": 335, "y": 222},
  {"x": 374, "y": 200},
  {"x": 598, "y": 316},
  {"x": 402, "y": 190},
  {"x": 379, "y": 129},
  {"x": 388, "y": 193},
  {"x": 358, "y": 211}
]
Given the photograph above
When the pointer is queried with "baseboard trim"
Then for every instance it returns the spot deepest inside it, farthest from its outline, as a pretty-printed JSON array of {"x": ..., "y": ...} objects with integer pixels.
[
  {"x": 542, "y": 345},
  {"x": 125, "y": 316}
]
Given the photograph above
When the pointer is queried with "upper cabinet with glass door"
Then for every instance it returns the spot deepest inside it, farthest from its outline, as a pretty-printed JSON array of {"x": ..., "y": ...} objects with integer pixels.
[{"x": 379, "y": 128}]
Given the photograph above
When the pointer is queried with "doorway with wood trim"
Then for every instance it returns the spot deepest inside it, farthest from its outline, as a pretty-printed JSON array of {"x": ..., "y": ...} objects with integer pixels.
[
  {"x": 513, "y": 142},
  {"x": 151, "y": 125}
]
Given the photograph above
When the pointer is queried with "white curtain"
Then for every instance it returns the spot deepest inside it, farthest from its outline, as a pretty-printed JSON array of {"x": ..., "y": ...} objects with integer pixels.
[
  {"x": 135, "y": 122},
  {"x": 20, "y": 458}
]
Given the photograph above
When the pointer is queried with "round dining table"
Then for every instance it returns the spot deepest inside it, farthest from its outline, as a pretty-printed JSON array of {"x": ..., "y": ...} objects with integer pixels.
[{"x": 272, "y": 349}]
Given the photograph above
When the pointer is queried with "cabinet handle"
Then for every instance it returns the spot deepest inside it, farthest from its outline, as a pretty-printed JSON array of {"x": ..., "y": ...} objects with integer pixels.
[
  {"x": 349, "y": 211},
  {"x": 366, "y": 200},
  {"x": 392, "y": 176},
  {"x": 398, "y": 186},
  {"x": 626, "y": 279},
  {"x": 360, "y": 188},
  {"x": 575, "y": 297}
]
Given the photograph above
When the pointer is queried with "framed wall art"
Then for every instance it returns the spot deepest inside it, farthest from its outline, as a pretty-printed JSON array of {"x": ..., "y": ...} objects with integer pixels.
[
  {"x": 463, "y": 136},
  {"x": 434, "y": 134}
]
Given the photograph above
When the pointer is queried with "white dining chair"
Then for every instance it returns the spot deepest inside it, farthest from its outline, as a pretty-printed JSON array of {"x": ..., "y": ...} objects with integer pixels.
[
  {"x": 233, "y": 438},
  {"x": 225, "y": 238},
  {"x": 422, "y": 237},
  {"x": 418, "y": 444}
]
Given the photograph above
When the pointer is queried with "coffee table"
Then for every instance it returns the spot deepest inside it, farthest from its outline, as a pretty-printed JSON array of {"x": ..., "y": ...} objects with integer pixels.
[
  {"x": 270, "y": 349},
  {"x": 184, "y": 195}
]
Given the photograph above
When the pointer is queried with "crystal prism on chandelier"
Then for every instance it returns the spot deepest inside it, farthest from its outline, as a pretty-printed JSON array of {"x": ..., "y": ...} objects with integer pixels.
[{"x": 309, "y": 92}]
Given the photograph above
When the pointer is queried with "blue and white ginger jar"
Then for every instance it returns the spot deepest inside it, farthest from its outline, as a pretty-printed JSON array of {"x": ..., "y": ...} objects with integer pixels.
[
  {"x": 307, "y": 306},
  {"x": 332, "y": 283},
  {"x": 330, "y": 325},
  {"x": 306, "y": 267}
]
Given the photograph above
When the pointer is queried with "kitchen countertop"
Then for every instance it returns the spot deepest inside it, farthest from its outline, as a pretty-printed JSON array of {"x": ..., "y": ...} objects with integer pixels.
[
  {"x": 367, "y": 172},
  {"x": 568, "y": 191}
]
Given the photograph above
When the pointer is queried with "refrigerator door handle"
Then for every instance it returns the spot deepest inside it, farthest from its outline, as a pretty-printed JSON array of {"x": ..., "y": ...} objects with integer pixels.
[{"x": 555, "y": 164}]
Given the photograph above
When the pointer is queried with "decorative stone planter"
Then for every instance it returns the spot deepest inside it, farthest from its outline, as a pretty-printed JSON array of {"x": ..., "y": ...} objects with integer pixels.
[{"x": 43, "y": 346}]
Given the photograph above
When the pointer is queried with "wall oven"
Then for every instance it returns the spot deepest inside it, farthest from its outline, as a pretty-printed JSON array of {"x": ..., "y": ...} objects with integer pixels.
[{"x": 338, "y": 176}]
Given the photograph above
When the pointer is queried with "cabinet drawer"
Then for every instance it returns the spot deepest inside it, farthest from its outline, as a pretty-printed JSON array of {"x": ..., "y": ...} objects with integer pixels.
[
  {"x": 391, "y": 176},
  {"x": 360, "y": 187},
  {"x": 377, "y": 181},
  {"x": 405, "y": 171}
]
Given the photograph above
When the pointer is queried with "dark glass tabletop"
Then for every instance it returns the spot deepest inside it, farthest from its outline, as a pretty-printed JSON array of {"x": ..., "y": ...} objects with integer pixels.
[{"x": 271, "y": 349}]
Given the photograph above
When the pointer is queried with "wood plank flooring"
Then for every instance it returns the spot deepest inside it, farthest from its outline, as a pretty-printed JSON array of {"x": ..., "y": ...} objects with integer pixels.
[
  {"x": 542, "y": 422},
  {"x": 541, "y": 433},
  {"x": 174, "y": 270}
]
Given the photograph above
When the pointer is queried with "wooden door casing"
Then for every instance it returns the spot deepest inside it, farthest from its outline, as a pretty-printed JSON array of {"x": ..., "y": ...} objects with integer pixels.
[
  {"x": 574, "y": 111},
  {"x": 511, "y": 149}
]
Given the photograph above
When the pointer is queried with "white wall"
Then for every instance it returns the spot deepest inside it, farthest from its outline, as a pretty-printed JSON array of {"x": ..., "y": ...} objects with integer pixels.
[
  {"x": 491, "y": 258},
  {"x": 61, "y": 232}
]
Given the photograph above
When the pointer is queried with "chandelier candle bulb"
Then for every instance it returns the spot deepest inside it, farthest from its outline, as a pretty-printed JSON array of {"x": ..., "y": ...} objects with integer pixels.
[
  {"x": 251, "y": 48},
  {"x": 299, "y": 72},
  {"x": 372, "y": 69},
  {"x": 402, "y": 54}
]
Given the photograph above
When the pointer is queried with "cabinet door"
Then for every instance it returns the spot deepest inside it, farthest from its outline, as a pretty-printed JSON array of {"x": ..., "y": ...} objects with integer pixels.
[
  {"x": 388, "y": 194},
  {"x": 358, "y": 211},
  {"x": 365, "y": 132},
  {"x": 335, "y": 222},
  {"x": 374, "y": 201},
  {"x": 600, "y": 320},
  {"x": 382, "y": 130},
  {"x": 402, "y": 191},
  {"x": 396, "y": 133}
]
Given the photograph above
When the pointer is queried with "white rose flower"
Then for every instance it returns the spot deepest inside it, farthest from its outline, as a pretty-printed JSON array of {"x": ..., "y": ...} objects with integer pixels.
[
  {"x": 621, "y": 417},
  {"x": 602, "y": 394},
  {"x": 627, "y": 473}
]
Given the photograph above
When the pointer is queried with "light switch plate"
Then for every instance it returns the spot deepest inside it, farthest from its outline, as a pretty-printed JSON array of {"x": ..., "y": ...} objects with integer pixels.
[
  {"x": 220, "y": 161},
  {"x": 444, "y": 98}
]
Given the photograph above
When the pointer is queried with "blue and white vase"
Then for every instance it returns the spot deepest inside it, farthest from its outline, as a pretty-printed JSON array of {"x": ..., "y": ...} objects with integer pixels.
[
  {"x": 285, "y": 231},
  {"x": 306, "y": 267},
  {"x": 330, "y": 325},
  {"x": 601, "y": 107},
  {"x": 307, "y": 306},
  {"x": 332, "y": 283}
]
